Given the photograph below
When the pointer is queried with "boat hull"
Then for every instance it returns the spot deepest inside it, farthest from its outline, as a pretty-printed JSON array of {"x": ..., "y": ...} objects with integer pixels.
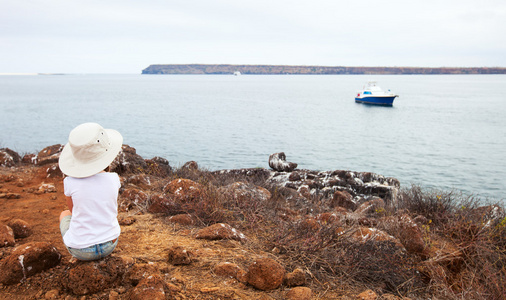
[{"x": 374, "y": 100}]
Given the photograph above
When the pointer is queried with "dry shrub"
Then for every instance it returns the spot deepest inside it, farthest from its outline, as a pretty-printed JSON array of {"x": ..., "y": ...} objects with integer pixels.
[
  {"x": 333, "y": 259},
  {"x": 479, "y": 238}
]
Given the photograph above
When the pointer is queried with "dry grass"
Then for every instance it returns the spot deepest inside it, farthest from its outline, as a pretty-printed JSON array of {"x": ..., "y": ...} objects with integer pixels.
[{"x": 332, "y": 262}]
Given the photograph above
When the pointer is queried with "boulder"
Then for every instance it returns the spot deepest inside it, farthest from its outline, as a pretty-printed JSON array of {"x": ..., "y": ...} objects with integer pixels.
[
  {"x": 299, "y": 293},
  {"x": 29, "y": 158},
  {"x": 243, "y": 192},
  {"x": 265, "y": 274},
  {"x": 220, "y": 231},
  {"x": 6, "y": 236},
  {"x": 343, "y": 199},
  {"x": 407, "y": 231},
  {"x": 151, "y": 288},
  {"x": 8, "y": 157},
  {"x": 183, "y": 190},
  {"x": 190, "y": 165},
  {"x": 371, "y": 207},
  {"x": 277, "y": 162},
  {"x": 227, "y": 269},
  {"x": 182, "y": 219},
  {"x": 140, "y": 180},
  {"x": 139, "y": 272},
  {"x": 128, "y": 162},
  {"x": 20, "y": 228},
  {"x": 133, "y": 198},
  {"x": 53, "y": 171},
  {"x": 327, "y": 218},
  {"x": 27, "y": 260},
  {"x": 295, "y": 278},
  {"x": 91, "y": 277},
  {"x": 325, "y": 184},
  {"x": 158, "y": 166},
  {"x": 161, "y": 203},
  {"x": 365, "y": 234},
  {"x": 49, "y": 155}
]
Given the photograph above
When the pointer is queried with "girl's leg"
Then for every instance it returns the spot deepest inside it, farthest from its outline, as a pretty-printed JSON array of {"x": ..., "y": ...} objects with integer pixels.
[{"x": 64, "y": 214}]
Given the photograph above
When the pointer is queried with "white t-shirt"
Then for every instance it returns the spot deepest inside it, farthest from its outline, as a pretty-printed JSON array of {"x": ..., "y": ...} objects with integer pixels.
[{"x": 95, "y": 211}]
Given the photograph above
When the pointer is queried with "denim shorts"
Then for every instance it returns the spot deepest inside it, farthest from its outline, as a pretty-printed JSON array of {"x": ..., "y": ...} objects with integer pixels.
[{"x": 90, "y": 253}]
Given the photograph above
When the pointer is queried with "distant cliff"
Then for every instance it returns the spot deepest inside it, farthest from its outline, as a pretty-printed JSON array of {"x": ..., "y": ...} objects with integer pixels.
[{"x": 309, "y": 70}]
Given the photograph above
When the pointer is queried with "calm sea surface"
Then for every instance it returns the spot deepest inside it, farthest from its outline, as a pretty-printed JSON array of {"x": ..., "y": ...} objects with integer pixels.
[{"x": 445, "y": 131}]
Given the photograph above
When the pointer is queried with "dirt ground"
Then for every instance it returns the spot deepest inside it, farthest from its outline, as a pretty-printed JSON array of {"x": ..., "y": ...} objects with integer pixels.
[{"x": 146, "y": 240}]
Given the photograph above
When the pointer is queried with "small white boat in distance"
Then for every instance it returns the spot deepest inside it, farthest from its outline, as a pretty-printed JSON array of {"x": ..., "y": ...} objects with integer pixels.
[
  {"x": 373, "y": 94},
  {"x": 237, "y": 73}
]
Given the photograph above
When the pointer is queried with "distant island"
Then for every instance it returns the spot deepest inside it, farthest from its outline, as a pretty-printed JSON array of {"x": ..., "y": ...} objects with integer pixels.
[{"x": 310, "y": 70}]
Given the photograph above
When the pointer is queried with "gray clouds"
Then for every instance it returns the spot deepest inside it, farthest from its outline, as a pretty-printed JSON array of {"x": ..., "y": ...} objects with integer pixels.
[{"x": 126, "y": 36}]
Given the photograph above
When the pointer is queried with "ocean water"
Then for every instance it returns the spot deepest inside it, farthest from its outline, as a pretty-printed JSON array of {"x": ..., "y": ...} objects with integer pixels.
[{"x": 444, "y": 131}]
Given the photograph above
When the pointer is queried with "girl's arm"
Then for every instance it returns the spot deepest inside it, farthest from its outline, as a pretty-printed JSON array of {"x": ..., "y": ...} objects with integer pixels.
[{"x": 70, "y": 204}]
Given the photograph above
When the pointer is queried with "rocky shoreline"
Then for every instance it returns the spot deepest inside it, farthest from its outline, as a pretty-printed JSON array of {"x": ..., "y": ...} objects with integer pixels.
[
  {"x": 309, "y": 70},
  {"x": 257, "y": 233}
]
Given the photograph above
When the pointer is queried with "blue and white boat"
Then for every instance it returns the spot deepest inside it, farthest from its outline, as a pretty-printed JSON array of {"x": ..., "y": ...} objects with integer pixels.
[{"x": 373, "y": 94}]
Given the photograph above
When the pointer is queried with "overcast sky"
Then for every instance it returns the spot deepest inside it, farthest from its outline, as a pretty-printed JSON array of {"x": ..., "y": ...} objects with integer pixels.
[{"x": 126, "y": 36}]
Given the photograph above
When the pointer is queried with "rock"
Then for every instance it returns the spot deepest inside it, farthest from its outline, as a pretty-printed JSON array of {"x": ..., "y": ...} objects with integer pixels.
[
  {"x": 127, "y": 221},
  {"x": 132, "y": 198},
  {"x": 128, "y": 162},
  {"x": 49, "y": 155},
  {"x": 367, "y": 295},
  {"x": 295, "y": 278},
  {"x": 309, "y": 225},
  {"x": 256, "y": 174},
  {"x": 371, "y": 207},
  {"x": 324, "y": 184},
  {"x": 245, "y": 192},
  {"x": 20, "y": 228},
  {"x": 277, "y": 161},
  {"x": 364, "y": 234},
  {"x": 445, "y": 254},
  {"x": 113, "y": 295},
  {"x": 407, "y": 231},
  {"x": 27, "y": 260},
  {"x": 299, "y": 293},
  {"x": 52, "y": 294},
  {"x": 92, "y": 277},
  {"x": 6, "y": 236},
  {"x": 220, "y": 231},
  {"x": 183, "y": 190},
  {"x": 343, "y": 199},
  {"x": 53, "y": 171},
  {"x": 327, "y": 218},
  {"x": 9, "y": 158},
  {"x": 158, "y": 166},
  {"x": 488, "y": 215},
  {"x": 265, "y": 274},
  {"x": 141, "y": 180},
  {"x": 180, "y": 256},
  {"x": 182, "y": 219},
  {"x": 164, "y": 204},
  {"x": 29, "y": 159},
  {"x": 190, "y": 165},
  {"x": 227, "y": 269},
  {"x": 139, "y": 272},
  {"x": 11, "y": 196},
  {"x": 151, "y": 288},
  {"x": 46, "y": 188}
]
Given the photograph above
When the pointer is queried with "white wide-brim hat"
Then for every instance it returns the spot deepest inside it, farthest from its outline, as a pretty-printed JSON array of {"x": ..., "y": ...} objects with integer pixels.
[{"x": 90, "y": 149}]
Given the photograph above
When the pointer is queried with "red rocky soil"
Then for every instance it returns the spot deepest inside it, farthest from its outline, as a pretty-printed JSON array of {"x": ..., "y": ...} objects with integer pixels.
[{"x": 155, "y": 259}]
